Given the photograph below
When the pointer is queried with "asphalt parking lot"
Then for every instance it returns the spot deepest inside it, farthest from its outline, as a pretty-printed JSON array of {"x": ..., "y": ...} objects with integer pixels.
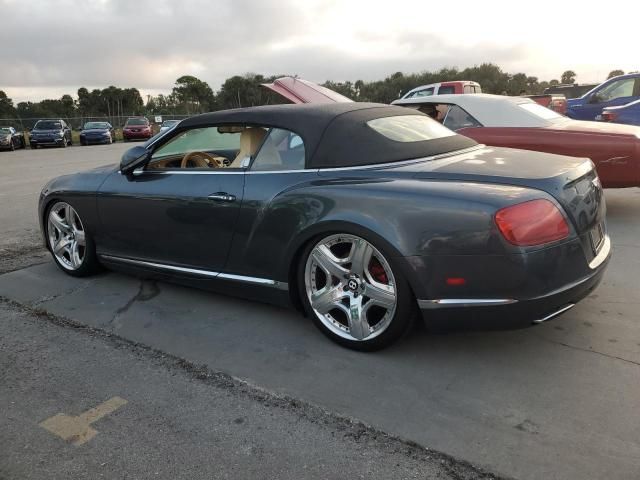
[{"x": 558, "y": 401}]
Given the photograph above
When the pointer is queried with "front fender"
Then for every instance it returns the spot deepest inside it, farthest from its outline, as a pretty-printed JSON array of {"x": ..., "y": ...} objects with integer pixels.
[{"x": 79, "y": 190}]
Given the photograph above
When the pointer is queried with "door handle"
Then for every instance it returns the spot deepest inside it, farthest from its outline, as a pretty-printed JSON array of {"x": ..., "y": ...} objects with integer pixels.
[{"x": 222, "y": 197}]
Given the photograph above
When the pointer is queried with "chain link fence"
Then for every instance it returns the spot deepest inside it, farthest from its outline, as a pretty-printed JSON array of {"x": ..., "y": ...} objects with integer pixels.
[{"x": 25, "y": 124}]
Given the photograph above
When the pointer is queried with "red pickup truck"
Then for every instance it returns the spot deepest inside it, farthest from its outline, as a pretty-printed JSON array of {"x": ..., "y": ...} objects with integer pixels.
[{"x": 554, "y": 101}]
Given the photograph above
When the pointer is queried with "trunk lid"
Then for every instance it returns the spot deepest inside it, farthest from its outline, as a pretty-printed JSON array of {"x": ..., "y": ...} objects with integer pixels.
[
  {"x": 602, "y": 128},
  {"x": 297, "y": 90},
  {"x": 572, "y": 181}
]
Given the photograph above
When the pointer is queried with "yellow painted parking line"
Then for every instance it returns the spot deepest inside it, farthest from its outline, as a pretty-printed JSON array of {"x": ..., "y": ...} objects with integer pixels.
[{"x": 77, "y": 430}]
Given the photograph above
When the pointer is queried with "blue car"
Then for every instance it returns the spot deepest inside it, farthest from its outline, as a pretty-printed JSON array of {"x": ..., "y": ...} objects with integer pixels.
[
  {"x": 97, "y": 132},
  {"x": 614, "y": 92},
  {"x": 629, "y": 114}
]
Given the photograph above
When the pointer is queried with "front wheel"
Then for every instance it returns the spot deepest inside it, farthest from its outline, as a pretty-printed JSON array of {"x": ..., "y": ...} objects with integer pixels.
[
  {"x": 353, "y": 294},
  {"x": 70, "y": 244}
]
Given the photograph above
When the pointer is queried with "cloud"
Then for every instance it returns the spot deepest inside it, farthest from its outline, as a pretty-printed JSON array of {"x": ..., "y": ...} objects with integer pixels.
[{"x": 62, "y": 45}]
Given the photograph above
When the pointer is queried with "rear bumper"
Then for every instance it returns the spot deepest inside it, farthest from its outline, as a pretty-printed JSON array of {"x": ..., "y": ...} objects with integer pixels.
[{"x": 507, "y": 312}]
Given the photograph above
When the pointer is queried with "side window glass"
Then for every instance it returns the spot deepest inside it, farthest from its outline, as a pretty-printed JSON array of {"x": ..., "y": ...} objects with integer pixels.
[
  {"x": 458, "y": 118},
  {"x": 621, "y": 88},
  {"x": 427, "y": 92},
  {"x": 446, "y": 91},
  {"x": 207, "y": 147},
  {"x": 281, "y": 150}
]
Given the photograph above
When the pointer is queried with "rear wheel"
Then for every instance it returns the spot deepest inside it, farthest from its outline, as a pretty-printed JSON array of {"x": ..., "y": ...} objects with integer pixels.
[
  {"x": 71, "y": 246},
  {"x": 353, "y": 294}
]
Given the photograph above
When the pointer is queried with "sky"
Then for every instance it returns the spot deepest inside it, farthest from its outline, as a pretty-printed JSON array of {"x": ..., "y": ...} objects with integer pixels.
[{"x": 50, "y": 48}]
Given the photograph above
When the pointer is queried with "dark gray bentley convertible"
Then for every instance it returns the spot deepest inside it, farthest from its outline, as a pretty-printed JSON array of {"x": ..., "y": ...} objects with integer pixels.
[{"x": 358, "y": 214}]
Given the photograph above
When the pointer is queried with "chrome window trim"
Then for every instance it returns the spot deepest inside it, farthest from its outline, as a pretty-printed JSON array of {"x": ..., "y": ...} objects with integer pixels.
[
  {"x": 316, "y": 170},
  {"x": 405, "y": 162},
  {"x": 464, "y": 302},
  {"x": 205, "y": 273},
  {"x": 141, "y": 171}
]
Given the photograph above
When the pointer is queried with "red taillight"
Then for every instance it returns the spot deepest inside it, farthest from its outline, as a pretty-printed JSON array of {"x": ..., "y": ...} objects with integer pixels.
[
  {"x": 609, "y": 116},
  {"x": 532, "y": 223}
]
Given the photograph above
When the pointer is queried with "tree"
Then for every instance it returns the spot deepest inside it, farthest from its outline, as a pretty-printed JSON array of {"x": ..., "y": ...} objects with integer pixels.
[
  {"x": 246, "y": 91},
  {"x": 7, "y": 109},
  {"x": 517, "y": 84},
  {"x": 194, "y": 94},
  {"x": 615, "y": 73},
  {"x": 568, "y": 77}
]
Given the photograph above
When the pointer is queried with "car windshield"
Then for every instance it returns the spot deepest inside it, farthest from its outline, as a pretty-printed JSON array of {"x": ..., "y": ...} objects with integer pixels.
[
  {"x": 47, "y": 125},
  {"x": 90, "y": 125},
  {"x": 137, "y": 121},
  {"x": 409, "y": 128},
  {"x": 5, "y": 130},
  {"x": 540, "y": 111}
]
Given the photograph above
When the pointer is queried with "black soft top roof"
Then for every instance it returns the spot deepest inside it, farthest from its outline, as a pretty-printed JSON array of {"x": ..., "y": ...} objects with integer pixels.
[{"x": 336, "y": 134}]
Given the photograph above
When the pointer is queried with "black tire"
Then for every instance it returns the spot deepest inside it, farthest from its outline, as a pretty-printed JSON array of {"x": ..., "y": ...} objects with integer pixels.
[
  {"x": 403, "y": 317},
  {"x": 34, "y": 146},
  {"x": 90, "y": 264}
]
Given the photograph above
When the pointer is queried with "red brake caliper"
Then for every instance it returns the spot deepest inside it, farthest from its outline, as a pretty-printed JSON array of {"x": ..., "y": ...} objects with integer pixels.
[{"x": 377, "y": 271}]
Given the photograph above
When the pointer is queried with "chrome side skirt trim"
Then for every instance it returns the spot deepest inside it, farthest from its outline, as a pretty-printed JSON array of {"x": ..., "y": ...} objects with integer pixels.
[
  {"x": 556, "y": 313},
  {"x": 162, "y": 266},
  {"x": 464, "y": 302},
  {"x": 258, "y": 281},
  {"x": 203, "y": 273},
  {"x": 602, "y": 255}
]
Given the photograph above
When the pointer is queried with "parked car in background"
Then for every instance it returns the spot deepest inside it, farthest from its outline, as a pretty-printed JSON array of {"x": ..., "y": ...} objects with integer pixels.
[
  {"x": 570, "y": 90},
  {"x": 628, "y": 114},
  {"x": 54, "y": 133},
  {"x": 519, "y": 122},
  {"x": 612, "y": 93},
  {"x": 359, "y": 214},
  {"x": 167, "y": 125},
  {"x": 444, "y": 88},
  {"x": 556, "y": 102},
  {"x": 10, "y": 139},
  {"x": 137, "y": 128},
  {"x": 97, "y": 132}
]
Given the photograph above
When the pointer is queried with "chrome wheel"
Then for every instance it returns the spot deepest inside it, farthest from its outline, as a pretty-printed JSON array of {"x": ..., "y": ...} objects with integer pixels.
[
  {"x": 350, "y": 287},
  {"x": 66, "y": 236}
]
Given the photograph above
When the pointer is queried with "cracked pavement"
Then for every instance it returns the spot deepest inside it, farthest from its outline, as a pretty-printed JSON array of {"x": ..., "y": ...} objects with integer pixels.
[{"x": 558, "y": 401}]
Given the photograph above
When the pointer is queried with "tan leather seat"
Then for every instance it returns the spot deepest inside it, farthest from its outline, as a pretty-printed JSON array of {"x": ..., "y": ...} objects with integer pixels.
[{"x": 250, "y": 140}]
